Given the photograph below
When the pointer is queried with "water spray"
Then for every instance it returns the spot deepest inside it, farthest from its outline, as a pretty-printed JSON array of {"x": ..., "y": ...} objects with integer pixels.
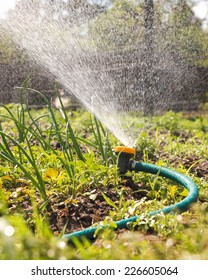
[{"x": 126, "y": 163}]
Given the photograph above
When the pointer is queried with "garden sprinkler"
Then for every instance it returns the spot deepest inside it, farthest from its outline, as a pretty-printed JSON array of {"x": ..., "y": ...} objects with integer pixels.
[{"x": 124, "y": 156}]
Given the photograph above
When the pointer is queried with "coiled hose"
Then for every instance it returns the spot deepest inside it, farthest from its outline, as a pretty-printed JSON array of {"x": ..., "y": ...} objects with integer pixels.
[{"x": 153, "y": 169}]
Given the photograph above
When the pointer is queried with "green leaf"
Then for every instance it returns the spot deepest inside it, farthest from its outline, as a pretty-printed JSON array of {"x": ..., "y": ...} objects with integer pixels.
[{"x": 110, "y": 202}]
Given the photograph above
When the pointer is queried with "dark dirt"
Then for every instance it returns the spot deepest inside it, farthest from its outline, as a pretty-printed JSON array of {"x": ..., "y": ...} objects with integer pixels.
[{"x": 85, "y": 211}]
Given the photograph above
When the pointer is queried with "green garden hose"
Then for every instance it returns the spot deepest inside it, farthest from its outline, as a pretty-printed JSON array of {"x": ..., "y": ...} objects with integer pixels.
[{"x": 153, "y": 169}]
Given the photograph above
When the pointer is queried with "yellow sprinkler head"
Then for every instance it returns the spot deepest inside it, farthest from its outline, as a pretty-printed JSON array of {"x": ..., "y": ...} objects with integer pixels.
[
  {"x": 124, "y": 156},
  {"x": 126, "y": 150}
]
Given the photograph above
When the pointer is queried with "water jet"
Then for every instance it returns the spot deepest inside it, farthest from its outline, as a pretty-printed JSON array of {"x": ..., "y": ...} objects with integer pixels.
[{"x": 121, "y": 71}]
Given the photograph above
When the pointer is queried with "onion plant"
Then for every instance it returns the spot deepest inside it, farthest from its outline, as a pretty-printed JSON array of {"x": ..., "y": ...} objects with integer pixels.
[{"x": 19, "y": 148}]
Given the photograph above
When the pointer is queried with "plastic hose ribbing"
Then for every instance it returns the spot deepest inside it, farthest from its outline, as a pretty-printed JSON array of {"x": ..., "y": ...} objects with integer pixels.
[{"x": 153, "y": 169}]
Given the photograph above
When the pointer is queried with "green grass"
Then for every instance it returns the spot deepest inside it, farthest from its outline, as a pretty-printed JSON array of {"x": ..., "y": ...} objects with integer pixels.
[{"x": 51, "y": 161}]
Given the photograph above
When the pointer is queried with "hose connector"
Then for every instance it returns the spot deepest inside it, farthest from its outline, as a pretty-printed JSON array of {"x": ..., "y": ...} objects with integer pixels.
[{"x": 124, "y": 156}]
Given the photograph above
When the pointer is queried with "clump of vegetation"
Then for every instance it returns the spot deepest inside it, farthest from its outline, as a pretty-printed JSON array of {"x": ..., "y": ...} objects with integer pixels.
[{"x": 58, "y": 174}]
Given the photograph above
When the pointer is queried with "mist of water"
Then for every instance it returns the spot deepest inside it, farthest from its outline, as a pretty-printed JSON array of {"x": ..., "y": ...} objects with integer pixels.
[{"x": 108, "y": 79}]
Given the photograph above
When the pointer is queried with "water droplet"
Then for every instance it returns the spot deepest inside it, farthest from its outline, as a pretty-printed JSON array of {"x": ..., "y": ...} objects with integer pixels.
[
  {"x": 169, "y": 242},
  {"x": 61, "y": 244},
  {"x": 51, "y": 253},
  {"x": 9, "y": 231}
]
